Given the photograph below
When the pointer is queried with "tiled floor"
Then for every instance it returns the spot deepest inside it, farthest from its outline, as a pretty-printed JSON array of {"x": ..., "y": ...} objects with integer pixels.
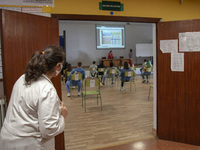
[{"x": 153, "y": 144}]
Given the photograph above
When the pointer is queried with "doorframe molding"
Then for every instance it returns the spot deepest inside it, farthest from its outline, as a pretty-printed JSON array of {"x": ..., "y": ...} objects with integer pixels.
[
  {"x": 76, "y": 17},
  {"x": 105, "y": 18}
]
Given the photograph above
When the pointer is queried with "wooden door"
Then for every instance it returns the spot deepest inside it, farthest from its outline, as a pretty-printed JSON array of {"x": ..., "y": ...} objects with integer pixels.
[
  {"x": 21, "y": 35},
  {"x": 178, "y": 100}
]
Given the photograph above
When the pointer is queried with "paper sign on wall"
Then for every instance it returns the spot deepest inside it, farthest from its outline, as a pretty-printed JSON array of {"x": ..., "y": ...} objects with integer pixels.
[
  {"x": 177, "y": 61},
  {"x": 189, "y": 41},
  {"x": 169, "y": 46}
]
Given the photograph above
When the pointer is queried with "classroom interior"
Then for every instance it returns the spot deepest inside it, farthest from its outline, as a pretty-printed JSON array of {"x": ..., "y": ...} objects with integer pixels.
[
  {"x": 112, "y": 128},
  {"x": 97, "y": 124}
]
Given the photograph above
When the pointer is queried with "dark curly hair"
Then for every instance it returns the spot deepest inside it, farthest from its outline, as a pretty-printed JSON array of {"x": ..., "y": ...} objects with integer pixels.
[{"x": 42, "y": 62}]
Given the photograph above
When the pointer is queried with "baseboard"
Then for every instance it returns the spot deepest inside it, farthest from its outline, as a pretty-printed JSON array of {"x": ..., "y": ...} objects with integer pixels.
[{"x": 154, "y": 131}]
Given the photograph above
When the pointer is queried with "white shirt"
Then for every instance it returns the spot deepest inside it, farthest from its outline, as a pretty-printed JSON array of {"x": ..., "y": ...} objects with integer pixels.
[
  {"x": 93, "y": 68},
  {"x": 33, "y": 116}
]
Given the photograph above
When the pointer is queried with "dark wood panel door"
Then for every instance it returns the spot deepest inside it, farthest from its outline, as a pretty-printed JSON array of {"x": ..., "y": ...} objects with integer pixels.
[
  {"x": 21, "y": 35},
  {"x": 178, "y": 100}
]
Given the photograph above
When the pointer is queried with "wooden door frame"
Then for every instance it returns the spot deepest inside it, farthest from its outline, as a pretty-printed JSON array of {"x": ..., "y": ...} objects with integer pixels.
[{"x": 75, "y": 17}]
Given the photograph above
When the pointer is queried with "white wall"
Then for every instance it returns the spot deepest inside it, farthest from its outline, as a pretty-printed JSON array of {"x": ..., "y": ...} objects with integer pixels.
[{"x": 81, "y": 40}]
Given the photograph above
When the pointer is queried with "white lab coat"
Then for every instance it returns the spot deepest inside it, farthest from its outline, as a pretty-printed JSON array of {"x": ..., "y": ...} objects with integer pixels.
[{"x": 33, "y": 117}]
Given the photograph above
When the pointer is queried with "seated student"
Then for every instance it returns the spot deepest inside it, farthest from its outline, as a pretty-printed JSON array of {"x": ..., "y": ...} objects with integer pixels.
[
  {"x": 143, "y": 65},
  {"x": 79, "y": 69},
  {"x": 120, "y": 66},
  {"x": 93, "y": 69},
  {"x": 101, "y": 65},
  {"x": 131, "y": 65},
  {"x": 146, "y": 71},
  {"x": 68, "y": 69},
  {"x": 123, "y": 79},
  {"x": 107, "y": 73},
  {"x": 62, "y": 71}
]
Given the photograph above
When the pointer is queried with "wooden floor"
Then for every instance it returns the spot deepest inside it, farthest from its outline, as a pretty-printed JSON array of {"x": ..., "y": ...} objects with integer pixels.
[
  {"x": 125, "y": 118},
  {"x": 153, "y": 144}
]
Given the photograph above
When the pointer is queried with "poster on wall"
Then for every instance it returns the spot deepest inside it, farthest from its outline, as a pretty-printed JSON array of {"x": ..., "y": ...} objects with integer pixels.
[
  {"x": 189, "y": 41},
  {"x": 38, "y": 2},
  {"x": 28, "y": 2},
  {"x": 177, "y": 62},
  {"x": 169, "y": 46}
]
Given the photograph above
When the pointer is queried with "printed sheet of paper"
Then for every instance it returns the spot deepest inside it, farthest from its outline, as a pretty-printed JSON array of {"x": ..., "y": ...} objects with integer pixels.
[
  {"x": 92, "y": 83},
  {"x": 189, "y": 41},
  {"x": 169, "y": 46},
  {"x": 76, "y": 77},
  {"x": 177, "y": 61},
  {"x": 129, "y": 74}
]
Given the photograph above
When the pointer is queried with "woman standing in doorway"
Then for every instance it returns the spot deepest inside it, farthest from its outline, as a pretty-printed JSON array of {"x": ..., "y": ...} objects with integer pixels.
[{"x": 35, "y": 113}]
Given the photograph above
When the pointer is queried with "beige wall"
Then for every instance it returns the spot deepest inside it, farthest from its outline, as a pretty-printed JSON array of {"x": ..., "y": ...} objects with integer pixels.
[{"x": 168, "y": 10}]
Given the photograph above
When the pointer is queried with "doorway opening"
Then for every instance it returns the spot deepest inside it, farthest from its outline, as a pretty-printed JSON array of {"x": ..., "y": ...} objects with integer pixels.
[{"x": 103, "y": 130}]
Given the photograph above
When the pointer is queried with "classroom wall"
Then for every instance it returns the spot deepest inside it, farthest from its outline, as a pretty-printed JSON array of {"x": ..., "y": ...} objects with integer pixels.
[
  {"x": 168, "y": 10},
  {"x": 81, "y": 41}
]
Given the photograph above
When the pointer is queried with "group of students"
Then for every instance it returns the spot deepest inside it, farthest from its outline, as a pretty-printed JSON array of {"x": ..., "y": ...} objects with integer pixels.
[
  {"x": 118, "y": 71},
  {"x": 105, "y": 73}
]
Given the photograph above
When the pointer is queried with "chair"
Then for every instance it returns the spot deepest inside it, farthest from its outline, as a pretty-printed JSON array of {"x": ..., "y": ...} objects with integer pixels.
[
  {"x": 3, "y": 109},
  {"x": 101, "y": 70},
  {"x": 112, "y": 75},
  {"x": 151, "y": 87},
  {"x": 91, "y": 89},
  {"x": 148, "y": 71},
  {"x": 66, "y": 75},
  {"x": 130, "y": 74},
  {"x": 93, "y": 70},
  {"x": 75, "y": 77}
]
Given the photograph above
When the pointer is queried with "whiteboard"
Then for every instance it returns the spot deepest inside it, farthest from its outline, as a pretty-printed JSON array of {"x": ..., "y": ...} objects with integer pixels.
[{"x": 144, "y": 50}]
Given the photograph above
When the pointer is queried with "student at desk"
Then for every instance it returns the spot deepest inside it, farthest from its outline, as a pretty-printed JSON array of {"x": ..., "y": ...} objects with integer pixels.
[{"x": 79, "y": 69}]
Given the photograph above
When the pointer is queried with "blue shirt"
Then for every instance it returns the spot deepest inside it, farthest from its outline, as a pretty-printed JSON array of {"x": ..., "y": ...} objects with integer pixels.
[
  {"x": 80, "y": 70},
  {"x": 123, "y": 74}
]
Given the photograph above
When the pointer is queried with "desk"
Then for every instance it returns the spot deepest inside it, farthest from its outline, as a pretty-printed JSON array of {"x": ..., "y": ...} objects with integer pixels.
[{"x": 115, "y": 61}]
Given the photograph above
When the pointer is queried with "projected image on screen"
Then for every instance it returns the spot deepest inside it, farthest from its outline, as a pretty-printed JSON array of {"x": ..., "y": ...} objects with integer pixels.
[{"x": 110, "y": 37}]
